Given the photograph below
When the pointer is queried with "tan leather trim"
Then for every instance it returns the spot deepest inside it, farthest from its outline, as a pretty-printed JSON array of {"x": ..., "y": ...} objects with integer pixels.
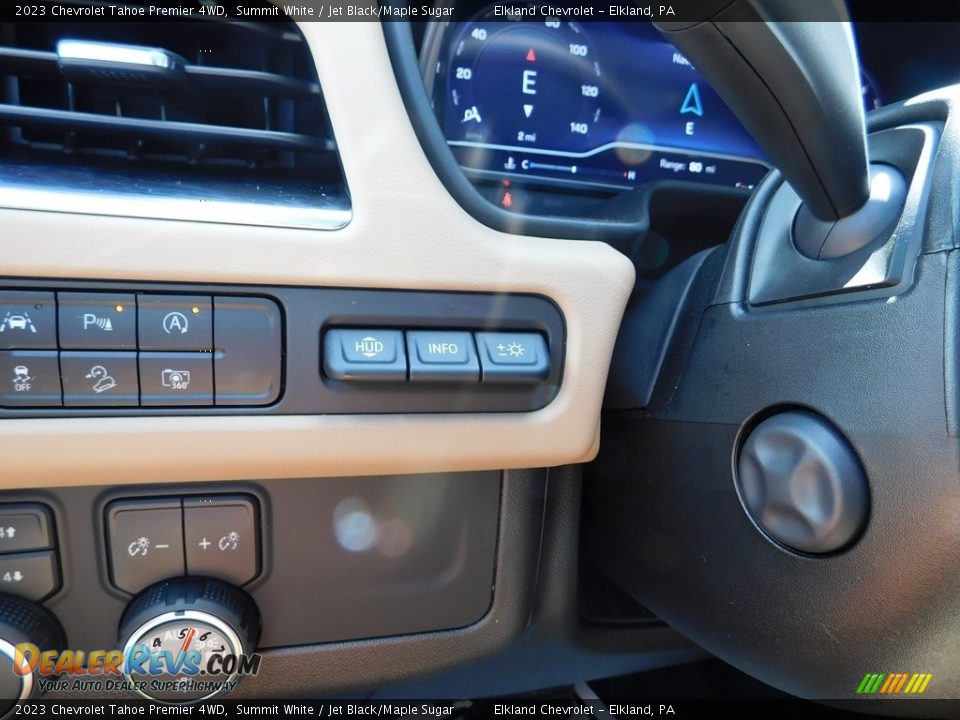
[{"x": 407, "y": 232}]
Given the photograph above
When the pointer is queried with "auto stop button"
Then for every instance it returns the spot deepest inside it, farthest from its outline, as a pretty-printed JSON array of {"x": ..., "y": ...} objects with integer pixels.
[
  {"x": 173, "y": 322},
  {"x": 221, "y": 536}
]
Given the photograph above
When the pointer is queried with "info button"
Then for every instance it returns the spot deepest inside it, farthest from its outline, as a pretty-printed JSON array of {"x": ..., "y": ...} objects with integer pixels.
[
  {"x": 364, "y": 354},
  {"x": 442, "y": 356}
]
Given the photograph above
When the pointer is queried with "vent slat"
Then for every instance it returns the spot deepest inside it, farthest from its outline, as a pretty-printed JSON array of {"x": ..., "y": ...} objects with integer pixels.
[
  {"x": 19, "y": 61},
  {"x": 38, "y": 63},
  {"x": 229, "y": 80},
  {"x": 195, "y": 132}
]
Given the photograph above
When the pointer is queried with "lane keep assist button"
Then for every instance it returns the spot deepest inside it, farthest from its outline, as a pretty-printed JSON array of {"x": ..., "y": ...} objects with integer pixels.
[{"x": 28, "y": 320}]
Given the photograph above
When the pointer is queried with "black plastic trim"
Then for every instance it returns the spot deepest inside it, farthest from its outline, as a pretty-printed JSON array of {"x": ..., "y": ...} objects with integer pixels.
[{"x": 90, "y": 611}]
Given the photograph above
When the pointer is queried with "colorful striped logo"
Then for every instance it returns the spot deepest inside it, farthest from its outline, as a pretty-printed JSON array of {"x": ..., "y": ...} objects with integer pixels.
[{"x": 894, "y": 683}]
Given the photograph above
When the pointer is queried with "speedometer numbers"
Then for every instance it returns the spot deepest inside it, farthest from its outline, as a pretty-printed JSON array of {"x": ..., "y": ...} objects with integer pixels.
[{"x": 522, "y": 84}]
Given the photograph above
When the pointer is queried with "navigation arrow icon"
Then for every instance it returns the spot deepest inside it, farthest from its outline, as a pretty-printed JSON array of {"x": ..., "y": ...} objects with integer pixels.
[
  {"x": 527, "y": 110},
  {"x": 691, "y": 103}
]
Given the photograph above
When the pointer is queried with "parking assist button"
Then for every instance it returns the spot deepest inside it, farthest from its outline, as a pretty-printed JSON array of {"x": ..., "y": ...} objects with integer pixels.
[{"x": 96, "y": 321}]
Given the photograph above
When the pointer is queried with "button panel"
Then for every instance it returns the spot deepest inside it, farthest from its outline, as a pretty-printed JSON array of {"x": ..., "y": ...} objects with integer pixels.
[
  {"x": 153, "y": 539},
  {"x": 99, "y": 336},
  {"x": 363, "y": 354},
  {"x": 29, "y": 566},
  {"x": 204, "y": 350}
]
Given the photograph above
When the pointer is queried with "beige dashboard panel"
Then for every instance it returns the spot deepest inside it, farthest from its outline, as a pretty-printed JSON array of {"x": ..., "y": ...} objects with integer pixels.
[{"x": 406, "y": 232}]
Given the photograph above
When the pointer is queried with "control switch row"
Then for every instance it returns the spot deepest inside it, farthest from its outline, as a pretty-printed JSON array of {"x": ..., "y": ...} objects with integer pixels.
[
  {"x": 98, "y": 363},
  {"x": 460, "y": 356},
  {"x": 28, "y": 555},
  {"x": 158, "y": 538}
]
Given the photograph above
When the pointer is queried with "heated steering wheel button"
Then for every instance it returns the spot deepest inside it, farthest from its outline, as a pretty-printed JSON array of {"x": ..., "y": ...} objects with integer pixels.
[
  {"x": 437, "y": 356},
  {"x": 513, "y": 357},
  {"x": 364, "y": 354}
]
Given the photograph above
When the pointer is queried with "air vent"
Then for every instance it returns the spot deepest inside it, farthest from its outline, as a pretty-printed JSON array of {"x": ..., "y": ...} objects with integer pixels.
[{"x": 200, "y": 119}]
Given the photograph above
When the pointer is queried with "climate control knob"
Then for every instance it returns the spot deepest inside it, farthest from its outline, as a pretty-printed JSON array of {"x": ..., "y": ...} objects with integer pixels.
[
  {"x": 22, "y": 621},
  {"x": 189, "y": 639}
]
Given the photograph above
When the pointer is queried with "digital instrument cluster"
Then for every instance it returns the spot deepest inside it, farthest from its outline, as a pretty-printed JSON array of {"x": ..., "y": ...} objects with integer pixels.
[{"x": 598, "y": 105}]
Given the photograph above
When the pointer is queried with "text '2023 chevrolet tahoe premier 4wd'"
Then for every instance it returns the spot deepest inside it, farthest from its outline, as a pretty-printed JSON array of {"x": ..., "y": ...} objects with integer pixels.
[{"x": 468, "y": 358}]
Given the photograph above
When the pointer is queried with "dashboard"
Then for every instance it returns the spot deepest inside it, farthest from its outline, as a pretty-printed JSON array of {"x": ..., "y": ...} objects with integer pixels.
[
  {"x": 601, "y": 107},
  {"x": 375, "y": 414}
]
